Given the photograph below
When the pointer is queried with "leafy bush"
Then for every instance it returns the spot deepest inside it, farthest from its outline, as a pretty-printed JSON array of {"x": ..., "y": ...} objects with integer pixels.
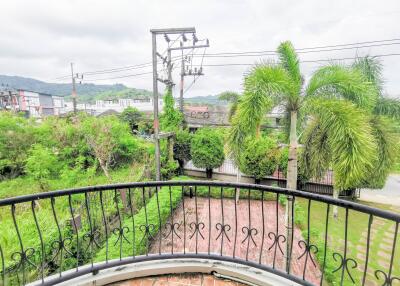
[
  {"x": 42, "y": 165},
  {"x": 283, "y": 160},
  {"x": 171, "y": 118},
  {"x": 132, "y": 116},
  {"x": 16, "y": 137},
  {"x": 182, "y": 144},
  {"x": 260, "y": 157},
  {"x": 207, "y": 149}
]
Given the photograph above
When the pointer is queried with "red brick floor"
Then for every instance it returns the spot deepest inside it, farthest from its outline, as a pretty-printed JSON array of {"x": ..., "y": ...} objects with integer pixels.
[
  {"x": 236, "y": 240},
  {"x": 179, "y": 280}
]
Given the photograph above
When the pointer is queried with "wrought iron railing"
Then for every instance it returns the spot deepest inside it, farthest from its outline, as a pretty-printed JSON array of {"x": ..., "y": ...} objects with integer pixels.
[{"x": 90, "y": 229}]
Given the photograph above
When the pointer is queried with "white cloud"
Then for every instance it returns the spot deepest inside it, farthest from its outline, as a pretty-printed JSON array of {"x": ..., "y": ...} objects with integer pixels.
[{"x": 41, "y": 38}]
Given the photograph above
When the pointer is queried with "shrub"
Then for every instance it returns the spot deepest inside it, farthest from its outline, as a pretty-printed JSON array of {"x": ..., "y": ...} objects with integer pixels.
[
  {"x": 16, "y": 138},
  {"x": 207, "y": 149},
  {"x": 171, "y": 118},
  {"x": 259, "y": 158},
  {"x": 42, "y": 165},
  {"x": 132, "y": 116},
  {"x": 182, "y": 144}
]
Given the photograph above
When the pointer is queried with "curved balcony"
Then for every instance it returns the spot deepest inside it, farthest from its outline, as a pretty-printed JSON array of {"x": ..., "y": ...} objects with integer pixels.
[{"x": 103, "y": 234}]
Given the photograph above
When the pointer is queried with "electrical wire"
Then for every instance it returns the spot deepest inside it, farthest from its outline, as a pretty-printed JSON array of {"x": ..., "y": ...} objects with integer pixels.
[{"x": 327, "y": 48}]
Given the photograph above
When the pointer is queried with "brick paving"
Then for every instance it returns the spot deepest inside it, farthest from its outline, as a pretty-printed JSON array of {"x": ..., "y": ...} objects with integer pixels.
[
  {"x": 209, "y": 229},
  {"x": 186, "y": 279}
]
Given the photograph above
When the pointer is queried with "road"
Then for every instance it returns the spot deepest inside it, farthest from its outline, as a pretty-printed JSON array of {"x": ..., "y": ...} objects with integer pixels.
[{"x": 390, "y": 194}]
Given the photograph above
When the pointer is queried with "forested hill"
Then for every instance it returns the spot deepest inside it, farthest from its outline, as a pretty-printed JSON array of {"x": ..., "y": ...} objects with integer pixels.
[{"x": 87, "y": 92}]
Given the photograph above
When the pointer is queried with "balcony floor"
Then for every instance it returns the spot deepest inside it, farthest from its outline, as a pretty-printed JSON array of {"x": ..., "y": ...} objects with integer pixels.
[
  {"x": 247, "y": 248},
  {"x": 179, "y": 280}
]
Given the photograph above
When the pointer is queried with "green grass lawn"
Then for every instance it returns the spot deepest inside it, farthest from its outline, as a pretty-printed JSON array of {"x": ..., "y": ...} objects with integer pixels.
[{"x": 382, "y": 233}]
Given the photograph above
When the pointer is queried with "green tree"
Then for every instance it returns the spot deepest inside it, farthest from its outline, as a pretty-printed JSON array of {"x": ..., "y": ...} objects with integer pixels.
[
  {"x": 207, "y": 149},
  {"x": 132, "y": 116},
  {"x": 16, "y": 137},
  {"x": 171, "y": 118},
  {"x": 110, "y": 142},
  {"x": 182, "y": 146},
  {"x": 259, "y": 158},
  {"x": 42, "y": 164}
]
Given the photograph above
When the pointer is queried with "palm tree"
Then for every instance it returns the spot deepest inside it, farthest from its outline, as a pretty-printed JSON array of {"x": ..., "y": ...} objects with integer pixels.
[
  {"x": 334, "y": 99},
  {"x": 378, "y": 112},
  {"x": 233, "y": 99}
]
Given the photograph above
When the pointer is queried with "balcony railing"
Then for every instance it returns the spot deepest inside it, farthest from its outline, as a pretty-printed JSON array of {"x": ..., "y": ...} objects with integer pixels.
[{"x": 91, "y": 229}]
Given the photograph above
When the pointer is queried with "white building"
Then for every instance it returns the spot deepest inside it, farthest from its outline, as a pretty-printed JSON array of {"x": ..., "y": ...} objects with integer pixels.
[{"x": 144, "y": 104}]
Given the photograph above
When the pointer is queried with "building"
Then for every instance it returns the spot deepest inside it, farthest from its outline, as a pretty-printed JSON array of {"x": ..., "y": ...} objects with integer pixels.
[
  {"x": 34, "y": 104},
  {"x": 144, "y": 104}
]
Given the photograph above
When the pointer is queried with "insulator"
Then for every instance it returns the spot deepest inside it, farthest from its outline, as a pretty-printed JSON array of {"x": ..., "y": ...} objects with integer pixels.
[
  {"x": 184, "y": 37},
  {"x": 167, "y": 38},
  {"x": 195, "y": 39}
]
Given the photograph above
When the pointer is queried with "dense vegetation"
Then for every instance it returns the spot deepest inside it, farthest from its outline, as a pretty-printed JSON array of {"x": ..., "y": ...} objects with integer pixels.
[{"x": 65, "y": 147}]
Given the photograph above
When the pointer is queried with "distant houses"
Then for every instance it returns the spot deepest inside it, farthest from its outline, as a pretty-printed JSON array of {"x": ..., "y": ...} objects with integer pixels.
[
  {"x": 38, "y": 105},
  {"x": 33, "y": 104}
]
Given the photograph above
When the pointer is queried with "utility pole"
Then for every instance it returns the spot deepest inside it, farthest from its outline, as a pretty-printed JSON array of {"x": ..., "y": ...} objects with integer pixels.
[
  {"x": 73, "y": 88},
  {"x": 74, "y": 78},
  {"x": 154, "y": 33}
]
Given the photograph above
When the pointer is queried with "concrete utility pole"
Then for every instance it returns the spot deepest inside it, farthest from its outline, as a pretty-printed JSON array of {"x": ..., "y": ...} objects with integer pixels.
[
  {"x": 154, "y": 33},
  {"x": 73, "y": 88}
]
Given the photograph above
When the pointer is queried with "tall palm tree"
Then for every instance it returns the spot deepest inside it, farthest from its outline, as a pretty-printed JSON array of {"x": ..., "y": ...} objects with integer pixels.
[{"x": 334, "y": 98}]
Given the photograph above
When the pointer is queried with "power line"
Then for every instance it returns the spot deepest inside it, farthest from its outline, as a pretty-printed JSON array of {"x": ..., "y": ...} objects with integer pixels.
[
  {"x": 299, "y": 52},
  {"x": 326, "y": 48},
  {"x": 305, "y": 61},
  {"x": 310, "y": 48}
]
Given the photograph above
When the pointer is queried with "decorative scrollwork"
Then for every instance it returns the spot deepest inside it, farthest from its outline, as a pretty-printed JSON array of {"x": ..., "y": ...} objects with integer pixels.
[
  {"x": 308, "y": 249},
  {"x": 250, "y": 232},
  {"x": 387, "y": 280},
  {"x": 223, "y": 229},
  {"x": 59, "y": 245},
  {"x": 197, "y": 228},
  {"x": 147, "y": 229},
  {"x": 276, "y": 241},
  {"x": 91, "y": 238},
  {"x": 121, "y": 234},
  {"x": 22, "y": 257},
  {"x": 344, "y": 264},
  {"x": 173, "y": 227}
]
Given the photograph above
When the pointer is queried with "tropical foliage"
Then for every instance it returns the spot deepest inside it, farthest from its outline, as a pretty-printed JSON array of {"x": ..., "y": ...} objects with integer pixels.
[
  {"x": 259, "y": 157},
  {"x": 182, "y": 144},
  {"x": 171, "y": 118},
  {"x": 207, "y": 149},
  {"x": 339, "y": 113}
]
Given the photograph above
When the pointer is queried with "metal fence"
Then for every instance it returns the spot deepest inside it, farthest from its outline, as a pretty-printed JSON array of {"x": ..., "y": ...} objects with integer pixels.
[
  {"x": 42, "y": 235},
  {"x": 323, "y": 185}
]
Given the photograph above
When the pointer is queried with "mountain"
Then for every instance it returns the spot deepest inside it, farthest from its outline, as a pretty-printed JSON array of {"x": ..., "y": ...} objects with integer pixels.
[
  {"x": 207, "y": 100},
  {"x": 87, "y": 92}
]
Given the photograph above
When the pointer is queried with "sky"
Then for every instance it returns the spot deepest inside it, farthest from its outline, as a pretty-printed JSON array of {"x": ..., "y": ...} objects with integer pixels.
[{"x": 41, "y": 38}]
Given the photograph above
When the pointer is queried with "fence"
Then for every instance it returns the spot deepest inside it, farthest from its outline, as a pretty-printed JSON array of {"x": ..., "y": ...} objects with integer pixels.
[{"x": 228, "y": 172}]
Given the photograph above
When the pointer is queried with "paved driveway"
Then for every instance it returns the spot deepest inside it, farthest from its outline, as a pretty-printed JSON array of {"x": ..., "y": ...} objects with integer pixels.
[{"x": 390, "y": 194}]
